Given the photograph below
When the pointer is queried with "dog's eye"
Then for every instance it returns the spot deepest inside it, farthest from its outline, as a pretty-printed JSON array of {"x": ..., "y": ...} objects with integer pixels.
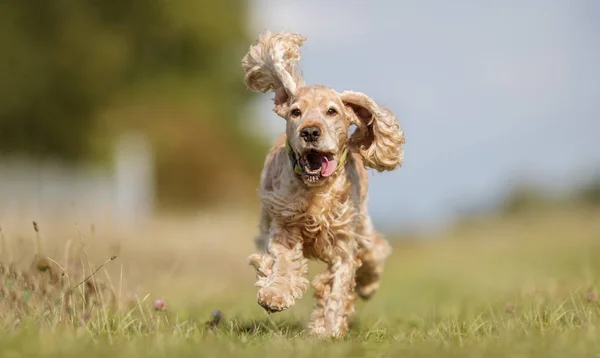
[
  {"x": 331, "y": 112},
  {"x": 296, "y": 112}
]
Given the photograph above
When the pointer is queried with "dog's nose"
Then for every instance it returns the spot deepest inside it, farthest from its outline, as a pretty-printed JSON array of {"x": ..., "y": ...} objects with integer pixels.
[{"x": 310, "y": 134}]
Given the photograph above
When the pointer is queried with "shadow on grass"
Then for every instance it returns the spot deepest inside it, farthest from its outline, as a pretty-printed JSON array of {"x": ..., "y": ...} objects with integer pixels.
[
  {"x": 288, "y": 328},
  {"x": 268, "y": 326}
]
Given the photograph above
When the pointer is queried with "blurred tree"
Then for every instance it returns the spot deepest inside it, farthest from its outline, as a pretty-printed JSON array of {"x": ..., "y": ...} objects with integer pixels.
[
  {"x": 589, "y": 194},
  {"x": 76, "y": 73},
  {"x": 525, "y": 198}
]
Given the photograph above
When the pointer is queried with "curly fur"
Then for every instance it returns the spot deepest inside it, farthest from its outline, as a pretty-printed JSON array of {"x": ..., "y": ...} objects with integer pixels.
[
  {"x": 324, "y": 219},
  {"x": 270, "y": 64},
  {"x": 379, "y": 137}
]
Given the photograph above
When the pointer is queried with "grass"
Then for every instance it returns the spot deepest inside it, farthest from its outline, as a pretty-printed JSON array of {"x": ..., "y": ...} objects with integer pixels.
[{"x": 521, "y": 286}]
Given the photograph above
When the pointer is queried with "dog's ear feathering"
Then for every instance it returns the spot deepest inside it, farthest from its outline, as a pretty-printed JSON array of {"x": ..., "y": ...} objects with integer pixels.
[
  {"x": 271, "y": 65},
  {"x": 378, "y": 136}
]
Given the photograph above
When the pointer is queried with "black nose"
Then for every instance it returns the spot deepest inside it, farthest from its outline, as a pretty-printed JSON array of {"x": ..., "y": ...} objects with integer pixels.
[{"x": 310, "y": 134}]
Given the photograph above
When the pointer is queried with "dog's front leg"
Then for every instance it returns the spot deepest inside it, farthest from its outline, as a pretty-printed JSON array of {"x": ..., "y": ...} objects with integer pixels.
[
  {"x": 286, "y": 281},
  {"x": 334, "y": 291}
]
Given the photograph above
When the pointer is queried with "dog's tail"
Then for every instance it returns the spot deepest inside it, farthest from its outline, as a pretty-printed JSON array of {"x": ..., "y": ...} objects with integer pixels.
[{"x": 271, "y": 63}]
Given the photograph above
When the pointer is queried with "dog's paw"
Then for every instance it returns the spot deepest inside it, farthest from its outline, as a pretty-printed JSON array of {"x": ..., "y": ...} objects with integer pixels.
[
  {"x": 274, "y": 299},
  {"x": 367, "y": 291},
  {"x": 320, "y": 332}
]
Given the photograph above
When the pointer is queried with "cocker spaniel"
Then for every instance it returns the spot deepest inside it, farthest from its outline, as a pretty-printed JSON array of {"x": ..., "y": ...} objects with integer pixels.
[{"x": 314, "y": 188}]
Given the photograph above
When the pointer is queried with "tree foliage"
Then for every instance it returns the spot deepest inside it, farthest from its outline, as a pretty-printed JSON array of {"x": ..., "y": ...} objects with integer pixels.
[{"x": 76, "y": 72}]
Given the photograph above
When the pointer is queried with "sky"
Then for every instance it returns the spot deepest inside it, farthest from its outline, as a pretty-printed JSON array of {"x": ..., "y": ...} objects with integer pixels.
[{"x": 488, "y": 93}]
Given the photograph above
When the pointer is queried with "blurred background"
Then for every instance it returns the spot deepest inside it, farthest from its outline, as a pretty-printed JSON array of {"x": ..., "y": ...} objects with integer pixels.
[
  {"x": 128, "y": 110},
  {"x": 126, "y": 131}
]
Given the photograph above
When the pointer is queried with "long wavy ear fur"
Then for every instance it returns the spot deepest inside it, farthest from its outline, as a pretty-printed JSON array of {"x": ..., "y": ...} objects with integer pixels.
[
  {"x": 271, "y": 65},
  {"x": 378, "y": 136}
]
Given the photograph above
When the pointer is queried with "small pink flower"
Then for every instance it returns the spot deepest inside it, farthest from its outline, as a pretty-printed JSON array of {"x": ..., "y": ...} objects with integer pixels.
[
  {"x": 510, "y": 307},
  {"x": 159, "y": 305},
  {"x": 592, "y": 297}
]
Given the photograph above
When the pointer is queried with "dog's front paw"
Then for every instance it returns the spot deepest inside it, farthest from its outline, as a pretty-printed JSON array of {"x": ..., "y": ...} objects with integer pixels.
[
  {"x": 274, "y": 299},
  {"x": 320, "y": 332}
]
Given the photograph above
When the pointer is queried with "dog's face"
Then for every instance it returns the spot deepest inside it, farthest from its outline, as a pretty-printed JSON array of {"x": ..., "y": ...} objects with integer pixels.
[
  {"x": 317, "y": 130},
  {"x": 318, "y": 118}
]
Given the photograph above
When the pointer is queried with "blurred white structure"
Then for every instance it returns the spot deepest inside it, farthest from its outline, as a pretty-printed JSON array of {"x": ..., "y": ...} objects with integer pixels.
[{"x": 122, "y": 194}]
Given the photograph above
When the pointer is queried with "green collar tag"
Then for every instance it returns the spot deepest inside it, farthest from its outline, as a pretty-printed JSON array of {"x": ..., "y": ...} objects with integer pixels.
[
  {"x": 342, "y": 159},
  {"x": 298, "y": 170}
]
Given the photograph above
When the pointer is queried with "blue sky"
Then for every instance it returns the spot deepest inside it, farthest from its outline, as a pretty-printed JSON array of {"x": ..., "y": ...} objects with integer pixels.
[{"x": 488, "y": 94}]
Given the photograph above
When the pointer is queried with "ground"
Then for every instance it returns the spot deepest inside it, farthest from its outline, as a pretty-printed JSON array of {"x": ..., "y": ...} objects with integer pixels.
[{"x": 498, "y": 287}]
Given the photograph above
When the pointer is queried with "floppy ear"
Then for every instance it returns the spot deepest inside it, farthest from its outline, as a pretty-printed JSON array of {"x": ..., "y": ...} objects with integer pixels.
[
  {"x": 271, "y": 65},
  {"x": 378, "y": 136}
]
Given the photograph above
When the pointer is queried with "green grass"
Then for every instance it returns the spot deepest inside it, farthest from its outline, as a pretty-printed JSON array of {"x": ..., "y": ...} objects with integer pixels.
[{"x": 523, "y": 286}]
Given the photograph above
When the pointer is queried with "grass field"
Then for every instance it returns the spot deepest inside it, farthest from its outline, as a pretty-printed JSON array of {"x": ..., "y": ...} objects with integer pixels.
[{"x": 518, "y": 287}]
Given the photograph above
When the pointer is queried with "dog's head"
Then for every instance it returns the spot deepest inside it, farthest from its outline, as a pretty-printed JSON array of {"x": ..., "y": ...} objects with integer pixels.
[{"x": 319, "y": 118}]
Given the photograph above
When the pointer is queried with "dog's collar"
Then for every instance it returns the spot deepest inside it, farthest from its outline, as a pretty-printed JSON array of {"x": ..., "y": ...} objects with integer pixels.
[{"x": 298, "y": 169}]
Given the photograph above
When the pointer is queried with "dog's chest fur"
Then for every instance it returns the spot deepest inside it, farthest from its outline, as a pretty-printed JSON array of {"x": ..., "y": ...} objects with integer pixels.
[
  {"x": 328, "y": 219},
  {"x": 322, "y": 217}
]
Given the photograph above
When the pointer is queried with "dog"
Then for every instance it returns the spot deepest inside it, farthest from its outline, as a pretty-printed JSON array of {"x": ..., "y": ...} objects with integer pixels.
[{"x": 313, "y": 188}]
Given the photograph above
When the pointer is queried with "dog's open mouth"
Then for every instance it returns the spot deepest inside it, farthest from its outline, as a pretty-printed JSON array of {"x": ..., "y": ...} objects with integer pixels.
[{"x": 317, "y": 164}]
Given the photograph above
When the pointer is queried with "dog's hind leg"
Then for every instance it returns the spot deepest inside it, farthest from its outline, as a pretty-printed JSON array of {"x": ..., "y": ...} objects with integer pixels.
[{"x": 373, "y": 252}]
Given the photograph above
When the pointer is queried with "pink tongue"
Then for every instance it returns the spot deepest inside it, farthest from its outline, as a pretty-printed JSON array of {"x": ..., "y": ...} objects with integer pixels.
[{"x": 328, "y": 167}]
